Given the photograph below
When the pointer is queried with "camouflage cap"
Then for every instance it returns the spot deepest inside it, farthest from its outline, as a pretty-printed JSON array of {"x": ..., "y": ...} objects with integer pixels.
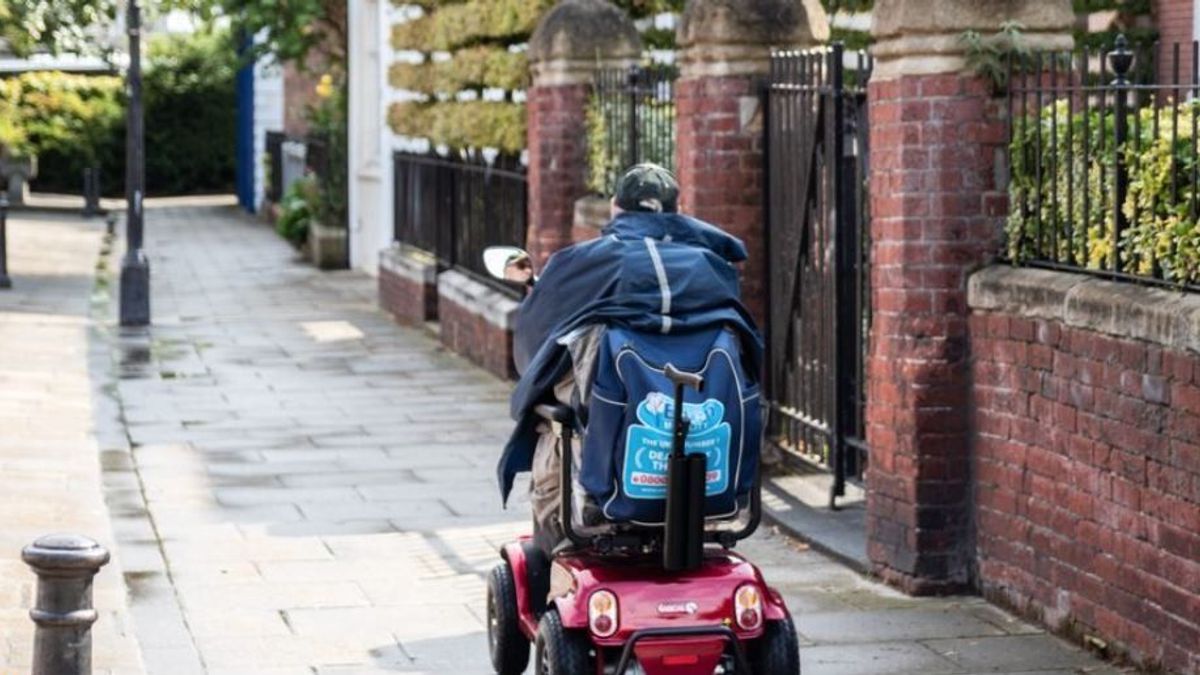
[{"x": 648, "y": 187}]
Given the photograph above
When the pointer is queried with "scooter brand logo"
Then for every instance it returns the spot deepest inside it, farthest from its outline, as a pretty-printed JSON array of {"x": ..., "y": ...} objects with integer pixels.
[
  {"x": 678, "y": 608},
  {"x": 648, "y": 445}
]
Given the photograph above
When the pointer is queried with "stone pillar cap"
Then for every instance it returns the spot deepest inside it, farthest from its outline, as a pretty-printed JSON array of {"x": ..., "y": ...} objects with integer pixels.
[
  {"x": 67, "y": 554},
  {"x": 732, "y": 37},
  {"x": 917, "y": 37},
  {"x": 576, "y": 37}
]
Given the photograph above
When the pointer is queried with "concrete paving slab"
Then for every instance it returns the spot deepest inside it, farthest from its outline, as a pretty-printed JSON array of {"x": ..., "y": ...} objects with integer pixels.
[
  {"x": 891, "y": 624},
  {"x": 998, "y": 654},
  {"x": 873, "y": 658}
]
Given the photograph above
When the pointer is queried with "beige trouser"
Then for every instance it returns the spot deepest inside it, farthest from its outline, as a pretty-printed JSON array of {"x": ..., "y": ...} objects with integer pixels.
[
  {"x": 546, "y": 483},
  {"x": 546, "y": 490}
]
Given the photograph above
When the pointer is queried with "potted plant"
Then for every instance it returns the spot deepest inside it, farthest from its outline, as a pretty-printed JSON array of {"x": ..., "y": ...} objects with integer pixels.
[{"x": 296, "y": 211}]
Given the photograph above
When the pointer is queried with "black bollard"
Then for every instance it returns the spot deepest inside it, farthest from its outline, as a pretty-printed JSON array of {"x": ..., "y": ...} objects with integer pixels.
[
  {"x": 5, "y": 281},
  {"x": 65, "y": 565},
  {"x": 87, "y": 193},
  {"x": 91, "y": 191}
]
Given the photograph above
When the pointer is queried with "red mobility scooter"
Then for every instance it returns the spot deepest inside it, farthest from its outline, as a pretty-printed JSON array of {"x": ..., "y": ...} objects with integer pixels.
[{"x": 666, "y": 600}]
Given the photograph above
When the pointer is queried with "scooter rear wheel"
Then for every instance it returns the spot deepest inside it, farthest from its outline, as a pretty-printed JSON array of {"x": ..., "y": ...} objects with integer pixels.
[
  {"x": 778, "y": 650},
  {"x": 506, "y": 644},
  {"x": 560, "y": 650}
]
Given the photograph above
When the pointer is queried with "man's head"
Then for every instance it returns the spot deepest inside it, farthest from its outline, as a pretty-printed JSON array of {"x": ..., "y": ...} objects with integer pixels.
[{"x": 648, "y": 188}]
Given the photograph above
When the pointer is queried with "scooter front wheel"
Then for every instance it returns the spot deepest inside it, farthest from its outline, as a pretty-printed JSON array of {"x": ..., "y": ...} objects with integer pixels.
[
  {"x": 506, "y": 644},
  {"x": 560, "y": 650}
]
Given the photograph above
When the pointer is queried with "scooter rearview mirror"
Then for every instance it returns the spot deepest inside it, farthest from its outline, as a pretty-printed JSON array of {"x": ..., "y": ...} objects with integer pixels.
[{"x": 508, "y": 263}]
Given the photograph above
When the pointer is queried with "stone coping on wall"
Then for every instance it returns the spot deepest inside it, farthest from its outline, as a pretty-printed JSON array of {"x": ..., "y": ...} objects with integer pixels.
[
  {"x": 410, "y": 263},
  {"x": 1165, "y": 317},
  {"x": 495, "y": 307}
]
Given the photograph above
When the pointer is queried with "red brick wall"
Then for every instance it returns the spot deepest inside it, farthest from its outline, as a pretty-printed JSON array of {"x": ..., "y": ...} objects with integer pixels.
[
  {"x": 299, "y": 94},
  {"x": 468, "y": 334},
  {"x": 720, "y": 168},
  {"x": 410, "y": 301},
  {"x": 936, "y": 214},
  {"x": 1173, "y": 19},
  {"x": 1088, "y": 483},
  {"x": 557, "y": 164}
]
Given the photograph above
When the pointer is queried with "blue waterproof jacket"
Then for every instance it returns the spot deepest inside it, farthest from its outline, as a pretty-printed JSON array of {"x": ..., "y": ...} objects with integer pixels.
[{"x": 649, "y": 272}]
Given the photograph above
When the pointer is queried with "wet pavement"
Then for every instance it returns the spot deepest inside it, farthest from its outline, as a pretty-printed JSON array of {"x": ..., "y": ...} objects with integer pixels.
[{"x": 302, "y": 486}]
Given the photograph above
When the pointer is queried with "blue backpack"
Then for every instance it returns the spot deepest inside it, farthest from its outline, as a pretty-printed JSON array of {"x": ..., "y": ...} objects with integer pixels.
[{"x": 627, "y": 438}]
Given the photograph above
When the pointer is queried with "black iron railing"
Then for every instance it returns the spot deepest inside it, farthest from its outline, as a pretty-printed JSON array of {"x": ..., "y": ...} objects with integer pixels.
[
  {"x": 631, "y": 119},
  {"x": 456, "y": 206},
  {"x": 274, "y": 143},
  {"x": 1104, "y": 162},
  {"x": 817, "y": 245}
]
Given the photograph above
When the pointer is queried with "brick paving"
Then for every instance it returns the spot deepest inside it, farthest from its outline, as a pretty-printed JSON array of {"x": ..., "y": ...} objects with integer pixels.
[{"x": 302, "y": 486}]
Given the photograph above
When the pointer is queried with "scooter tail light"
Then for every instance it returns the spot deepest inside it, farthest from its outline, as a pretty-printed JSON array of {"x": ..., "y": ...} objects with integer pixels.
[
  {"x": 602, "y": 613},
  {"x": 747, "y": 607}
]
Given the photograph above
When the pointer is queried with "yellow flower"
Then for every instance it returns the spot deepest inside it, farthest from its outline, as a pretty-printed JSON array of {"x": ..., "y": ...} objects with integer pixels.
[{"x": 324, "y": 88}]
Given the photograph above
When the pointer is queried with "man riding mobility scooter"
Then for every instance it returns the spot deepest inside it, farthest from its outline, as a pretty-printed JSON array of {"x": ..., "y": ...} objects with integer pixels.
[{"x": 657, "y": 470}]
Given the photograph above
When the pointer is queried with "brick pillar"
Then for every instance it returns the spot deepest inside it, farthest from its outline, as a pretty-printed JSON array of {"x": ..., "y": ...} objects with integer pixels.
[
  {"x": 719, "y": 141},
  {"x": 574, "y": 39},
  {"x": 938, "y": 200}
]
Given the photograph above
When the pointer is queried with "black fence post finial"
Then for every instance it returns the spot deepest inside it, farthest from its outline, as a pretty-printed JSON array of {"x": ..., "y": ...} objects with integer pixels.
[
  {"x": 1120, "y": 60},
  {"x": 65, "y": 565}
]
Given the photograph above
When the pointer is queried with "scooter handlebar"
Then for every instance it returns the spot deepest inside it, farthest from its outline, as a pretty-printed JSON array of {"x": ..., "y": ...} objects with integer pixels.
[{"x": 678, "y": 377}]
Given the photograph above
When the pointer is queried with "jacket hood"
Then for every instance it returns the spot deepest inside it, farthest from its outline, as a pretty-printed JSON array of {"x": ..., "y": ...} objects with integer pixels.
[{"x": 678, "y": 228}]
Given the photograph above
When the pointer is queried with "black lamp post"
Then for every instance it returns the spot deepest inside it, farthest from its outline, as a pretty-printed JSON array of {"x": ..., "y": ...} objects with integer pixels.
[{"x": 135, "y": 268}]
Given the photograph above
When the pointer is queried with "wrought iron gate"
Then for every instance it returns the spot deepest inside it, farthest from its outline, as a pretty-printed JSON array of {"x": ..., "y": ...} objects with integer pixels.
[{"x": 818, "y": 314}]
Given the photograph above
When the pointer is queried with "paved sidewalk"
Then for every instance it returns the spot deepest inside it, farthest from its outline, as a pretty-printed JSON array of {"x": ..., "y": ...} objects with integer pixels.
[
  {"x": 306, "y": 487},
  {"x": 50, "y": 476}
]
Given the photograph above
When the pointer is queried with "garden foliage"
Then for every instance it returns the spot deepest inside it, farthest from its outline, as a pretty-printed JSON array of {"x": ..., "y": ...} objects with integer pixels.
[
  {"x": 72, "y": 122},
  {"x": 297, "y": 210},
  {"x": 1069, "y": 215}
]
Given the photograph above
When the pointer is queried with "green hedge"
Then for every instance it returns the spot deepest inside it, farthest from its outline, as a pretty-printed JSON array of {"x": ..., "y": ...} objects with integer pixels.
[
  {"x": 72, "y": 122},
  {"x": 191, "y": 121},
  {"x": 1162, "y": 236}
]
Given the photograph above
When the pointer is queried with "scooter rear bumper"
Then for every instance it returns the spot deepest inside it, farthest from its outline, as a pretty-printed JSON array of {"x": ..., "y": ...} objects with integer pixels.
[{"x": 694, "y": 650}]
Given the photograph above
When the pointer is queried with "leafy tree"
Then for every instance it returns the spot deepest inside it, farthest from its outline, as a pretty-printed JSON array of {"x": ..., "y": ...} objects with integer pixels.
[
  {"x": 55, "y": 25},
  {"x": 289, "y": 30}
]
